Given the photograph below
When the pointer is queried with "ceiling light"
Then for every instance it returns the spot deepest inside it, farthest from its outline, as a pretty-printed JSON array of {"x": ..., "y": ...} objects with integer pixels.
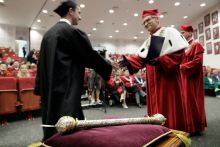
[
  {"x": 38, "y": 20},
  {"x": 135, "y": 37},
  {"x": 117, "y": 31},
  {"x": 151, "y": 1},
  {"x": 82, "y": 6},
  {"x": 53, "y": 0},
  {"x": 142, "y": 32},
  {"x": 161, "y": 16},
  {"x": 89, "y": 34},
  {"x": 33, "y": 28},
  {"x": 44, "y": 11},
  {"x": 94, "y": 28},
  {"x": 110, "y": 36},
  {"x": 172, "y": 26},
  {"x": 177, "y": 4},
  {"x": 111, "y": 11},
  {"x": 202, "y": 5},
  {"x": 185, "y": 17},
  {"x": 135, "y": 14},
  {"x": 1, "y": 1},
  {"x": 101, "y": 21},
  {"x": 125, "y": 24}
]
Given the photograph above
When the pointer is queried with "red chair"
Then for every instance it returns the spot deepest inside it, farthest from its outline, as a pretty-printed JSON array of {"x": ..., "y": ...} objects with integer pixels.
[
  {"x": 8, "y": 97},
  {"x": 28, "y": 99}
]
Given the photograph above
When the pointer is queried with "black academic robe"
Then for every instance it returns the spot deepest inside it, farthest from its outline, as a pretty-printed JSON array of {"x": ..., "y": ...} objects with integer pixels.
[
  {"x": 65, "y": 52},
  {"x": 29, "y": 56}
]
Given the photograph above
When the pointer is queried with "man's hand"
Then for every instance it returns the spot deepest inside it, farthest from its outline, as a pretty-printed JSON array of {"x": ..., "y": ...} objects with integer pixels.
[
  {"x": 114, "y": 64},
  {"x": 154, "y": 62},
  {"x": 124, "y": 62}
]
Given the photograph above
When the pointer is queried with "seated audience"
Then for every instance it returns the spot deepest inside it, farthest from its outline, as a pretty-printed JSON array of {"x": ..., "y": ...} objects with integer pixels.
[
  {"x": 140, "y": 81},
  {"x": 23, "y": 71},
  {"x": 15, "y": 68},
  {"x": 132, "y": 87},
  {"x": 6, "y": 54},
  {"x": 209, "y": 82},
  {"x": 216, "y": 76},
  {"x": 117, "y": 89},
  {"x": 209, "y": 70},
  {"x": 33, "y": 66},
  {"x": 28, "y": 63},
  {"x": 3, "y": 72}
]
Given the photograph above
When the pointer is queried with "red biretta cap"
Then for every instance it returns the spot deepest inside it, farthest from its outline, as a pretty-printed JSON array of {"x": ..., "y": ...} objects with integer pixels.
[
  {"x": 150, "y": 12},
  {"x": 187, "y": 28}
]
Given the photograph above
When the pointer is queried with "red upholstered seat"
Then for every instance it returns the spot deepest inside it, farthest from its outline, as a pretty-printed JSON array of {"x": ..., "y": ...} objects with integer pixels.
[
  {"x": 8, "y": 97},
  {"x": 27, "y": 98}
]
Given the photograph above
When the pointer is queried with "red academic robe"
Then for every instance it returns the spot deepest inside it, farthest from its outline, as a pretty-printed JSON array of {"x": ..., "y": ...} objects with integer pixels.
[
  {"x": 164, "y": 93},
  {"x": 127, "y": 83},
  {"x": 193, "y": 86},
  {"x": 113, "y": 85}
]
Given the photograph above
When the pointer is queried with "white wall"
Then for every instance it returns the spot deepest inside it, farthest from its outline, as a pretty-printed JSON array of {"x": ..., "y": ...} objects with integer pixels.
[
  {"x": 36, "y": 37},
  {"x": 120, "y": 46},
  {"x": 7, "y": 36},
  {"x": 211, "y": 60}
]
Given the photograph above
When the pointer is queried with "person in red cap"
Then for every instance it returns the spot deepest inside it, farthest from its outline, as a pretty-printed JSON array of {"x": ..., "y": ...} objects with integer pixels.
[
  {"x": 163, "y": 77},
  {"x": 193, "y": 82}
]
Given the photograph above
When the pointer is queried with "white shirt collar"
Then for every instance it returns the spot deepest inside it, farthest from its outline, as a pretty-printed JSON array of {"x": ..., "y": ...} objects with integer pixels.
[{"x": 65, "y": 20}]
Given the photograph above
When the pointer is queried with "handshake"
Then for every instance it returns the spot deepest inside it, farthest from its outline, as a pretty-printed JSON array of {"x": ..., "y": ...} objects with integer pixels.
[{"x": 125, "y": 62}]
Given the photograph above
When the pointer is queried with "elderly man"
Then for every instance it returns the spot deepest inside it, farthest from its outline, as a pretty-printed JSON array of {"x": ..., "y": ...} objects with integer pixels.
[
  {"x": 163, "y": 80},
  {"x": 216, "y": 76},
  {"x": 193, "y": 82}
]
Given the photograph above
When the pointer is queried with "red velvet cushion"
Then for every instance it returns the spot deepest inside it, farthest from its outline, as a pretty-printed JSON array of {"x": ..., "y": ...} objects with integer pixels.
[{"x": 135, "y": 135}]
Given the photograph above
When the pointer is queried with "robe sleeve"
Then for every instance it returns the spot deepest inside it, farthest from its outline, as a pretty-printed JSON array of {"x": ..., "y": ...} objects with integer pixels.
[
  {"x": 84, "y": 53},
  {"x": 111, "y": 83},
  {"x": 136, "y": 63},
  {"x": 171, "y": 61},
  {"x": 192, "y": 67}
]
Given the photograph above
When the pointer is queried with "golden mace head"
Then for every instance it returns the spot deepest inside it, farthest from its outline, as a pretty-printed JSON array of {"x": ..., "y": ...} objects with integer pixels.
[{"x": 65, "y": 125}]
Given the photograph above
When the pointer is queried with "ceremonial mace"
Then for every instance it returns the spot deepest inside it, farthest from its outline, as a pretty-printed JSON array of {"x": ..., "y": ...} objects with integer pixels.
[{"x": 67, "y": 124}]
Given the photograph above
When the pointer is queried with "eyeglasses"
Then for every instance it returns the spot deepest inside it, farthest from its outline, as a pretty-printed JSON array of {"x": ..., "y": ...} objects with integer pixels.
[
  {"x": 184, "y": 32},
  {"x": 148, "y": 20}
]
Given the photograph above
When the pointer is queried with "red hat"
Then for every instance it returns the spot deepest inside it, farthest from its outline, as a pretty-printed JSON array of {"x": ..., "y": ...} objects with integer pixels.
[
  {"x": 187, "y": 28},
  {"x": 150, "y": 12}
]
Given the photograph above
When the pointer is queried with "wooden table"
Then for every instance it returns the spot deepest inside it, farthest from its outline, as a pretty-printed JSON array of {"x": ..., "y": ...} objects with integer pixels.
[{"x": 171, "y": 140}]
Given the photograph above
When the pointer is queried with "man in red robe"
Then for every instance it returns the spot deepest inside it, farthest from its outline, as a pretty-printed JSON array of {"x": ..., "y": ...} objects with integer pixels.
[
  {"x": 193, "y": 82},
  {"x": 163, "y": 79}
]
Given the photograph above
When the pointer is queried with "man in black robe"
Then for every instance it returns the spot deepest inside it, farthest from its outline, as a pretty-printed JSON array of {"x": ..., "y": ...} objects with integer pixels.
[
  {"x": 30, "y": 56},
  {"x": 65, "y": 52}
]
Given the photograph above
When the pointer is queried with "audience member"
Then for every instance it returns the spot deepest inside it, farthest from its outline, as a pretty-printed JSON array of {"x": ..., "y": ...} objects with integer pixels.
[
  {"x": 15, "y": 68},
  {"x": 132, "y": 87},
  {"x": 140, "y": 81},
  {"x": 216, "y": 76},
  {"x": 3, "y": 68},
  {"x": 30, "y": 56},
  {"x": 33, "y": 66},
  {"x": 209, "y": 82},
  {"x": 23, "y": 71},
  {"x": 95, "y": 84},
  {"x": 117, "y": 89},
  {"x": 209, "y": 70},
  {"x": 1, "y": 55},
  {"x": 6, "y": 54},
  {"x": 28, "y": 63}
]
